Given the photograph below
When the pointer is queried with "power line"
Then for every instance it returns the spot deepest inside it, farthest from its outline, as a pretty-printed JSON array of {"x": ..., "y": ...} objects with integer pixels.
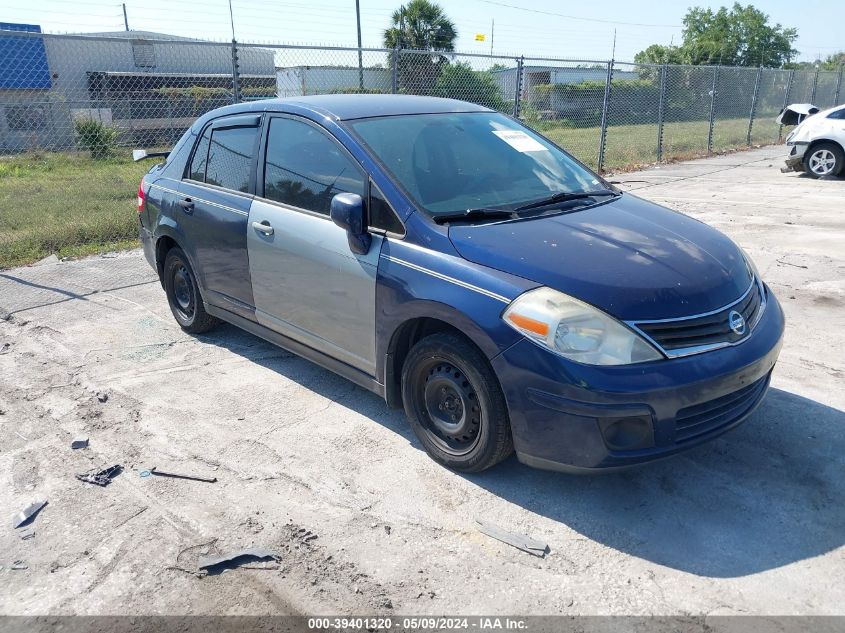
[{"x": 575, "y": 17}]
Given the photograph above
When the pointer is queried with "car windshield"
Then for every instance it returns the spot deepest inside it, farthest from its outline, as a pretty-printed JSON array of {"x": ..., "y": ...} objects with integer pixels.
[{"x": 453, "y": 162}]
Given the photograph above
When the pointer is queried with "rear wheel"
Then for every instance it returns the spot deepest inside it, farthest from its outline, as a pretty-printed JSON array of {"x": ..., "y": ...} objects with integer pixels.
[
  {"x": 454, "y": 403},
  {"x": 824, "y": 159},
  {"x": 183, "y": 294}
]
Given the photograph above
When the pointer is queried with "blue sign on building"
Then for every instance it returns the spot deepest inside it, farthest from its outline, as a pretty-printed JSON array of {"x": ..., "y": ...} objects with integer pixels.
[{"x": 23, "y": 60}]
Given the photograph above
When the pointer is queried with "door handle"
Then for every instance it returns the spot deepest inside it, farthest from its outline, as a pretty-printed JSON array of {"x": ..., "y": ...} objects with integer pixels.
[
  {"x": 263, "y": 227},
  {"x": 187, "y": 205}
]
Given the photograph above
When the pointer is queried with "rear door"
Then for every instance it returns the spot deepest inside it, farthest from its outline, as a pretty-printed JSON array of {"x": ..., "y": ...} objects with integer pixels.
[
  {"x": 213, "y": 207},
  {"x": 307, "y": 283}
]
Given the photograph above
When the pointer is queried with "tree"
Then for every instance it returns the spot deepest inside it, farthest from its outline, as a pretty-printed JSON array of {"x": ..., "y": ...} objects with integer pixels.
[
  {"x": 740, "y": 36},
  {"x": 460, "y": 81},
  {"x": 421, "y": 26},
  {"x": 659, "y": 54},
  {"x": 834, "y": 61}
]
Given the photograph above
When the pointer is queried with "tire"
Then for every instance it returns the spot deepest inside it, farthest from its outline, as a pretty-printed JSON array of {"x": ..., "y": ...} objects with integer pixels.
[
  {"x": 183, "y": 294},
  {"x": 455, "y": 405},
  {"x": 824, "y": 159}
]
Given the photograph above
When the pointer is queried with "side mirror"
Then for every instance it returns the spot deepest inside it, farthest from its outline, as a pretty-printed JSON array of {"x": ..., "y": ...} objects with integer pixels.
[{"x": 347, "y": 211}]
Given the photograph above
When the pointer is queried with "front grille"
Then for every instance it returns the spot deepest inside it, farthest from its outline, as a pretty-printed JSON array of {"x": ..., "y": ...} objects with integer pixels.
[
  {"x": 709, "y": 330},
  {"x": 698, "y": 419}
]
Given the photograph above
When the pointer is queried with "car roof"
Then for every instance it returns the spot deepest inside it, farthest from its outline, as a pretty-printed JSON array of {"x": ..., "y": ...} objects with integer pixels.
[{"x": 353, "y": 106}]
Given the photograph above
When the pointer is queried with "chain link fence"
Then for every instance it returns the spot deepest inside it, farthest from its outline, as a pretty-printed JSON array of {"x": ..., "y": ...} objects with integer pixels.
[{"x": 71, "y": 106}]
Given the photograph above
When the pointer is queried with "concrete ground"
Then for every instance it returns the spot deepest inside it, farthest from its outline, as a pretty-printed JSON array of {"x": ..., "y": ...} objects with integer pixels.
[{"x": 751, "y": 523}]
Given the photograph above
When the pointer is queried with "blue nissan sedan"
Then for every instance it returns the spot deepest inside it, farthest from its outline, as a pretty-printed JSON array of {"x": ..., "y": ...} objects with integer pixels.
[{"x": 467, "y": 269}]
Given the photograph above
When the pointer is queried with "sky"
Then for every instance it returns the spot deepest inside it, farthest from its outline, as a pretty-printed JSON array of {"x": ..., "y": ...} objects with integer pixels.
[{"x": 583, "y": 30}]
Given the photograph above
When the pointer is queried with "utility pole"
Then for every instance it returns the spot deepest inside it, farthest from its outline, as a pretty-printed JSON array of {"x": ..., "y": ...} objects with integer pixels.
[
  {"x": 125, "y": 19},
  {"x": 232, "y": 20},
  {"x": 360, "y": 55},
  {"x": 492, "y": 30},
  {"x": 236, "y": 79}
]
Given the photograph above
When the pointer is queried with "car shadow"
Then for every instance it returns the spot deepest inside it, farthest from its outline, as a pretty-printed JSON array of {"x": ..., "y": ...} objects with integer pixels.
[{"x": 768, "y": 494}]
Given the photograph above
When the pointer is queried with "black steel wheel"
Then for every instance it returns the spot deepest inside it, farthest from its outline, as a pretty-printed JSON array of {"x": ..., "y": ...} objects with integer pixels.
[
  {"x": 454, "y": 403},
  {"x": 183, "y": 294}
]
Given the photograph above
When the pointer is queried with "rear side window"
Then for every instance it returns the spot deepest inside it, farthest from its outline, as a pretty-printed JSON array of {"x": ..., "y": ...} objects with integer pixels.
[
  {"x": 305, "y": 168},
  {"x": 200, "y": 157},
  {"x": 230, "y": 154}
]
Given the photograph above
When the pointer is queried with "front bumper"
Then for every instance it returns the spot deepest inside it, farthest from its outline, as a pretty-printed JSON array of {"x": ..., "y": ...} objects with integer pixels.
[
  {"x": 795, "y": 160},
  {"x": 573, "y": 417}
]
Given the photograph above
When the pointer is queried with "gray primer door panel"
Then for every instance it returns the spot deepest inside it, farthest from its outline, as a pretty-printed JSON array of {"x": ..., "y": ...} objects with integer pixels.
[{"x": 309, "y": 286}]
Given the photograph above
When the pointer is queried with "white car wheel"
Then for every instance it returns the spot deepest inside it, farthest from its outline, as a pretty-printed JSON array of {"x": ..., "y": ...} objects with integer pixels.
[
  {"x": 822, "y": 162},
  {"x": 825, "y": 159}
]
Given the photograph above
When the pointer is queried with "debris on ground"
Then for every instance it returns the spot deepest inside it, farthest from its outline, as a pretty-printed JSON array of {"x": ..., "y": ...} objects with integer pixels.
[
  {"x": 519, "y": 541},
  {"x": 102, "y": 396},
  {"x": 19, "y": 564},
  {"x": 27, "y": 535},
  {"x": 387, "y": 529},
  {"x": 304, "y": 535},
  {"x": 161, "y": 473},
  {"x": 216, "y": 564},
  {"x": 80, "y": 442},
  {"x": 102, "y": 477},
  {"x": 28, "y": 513}
]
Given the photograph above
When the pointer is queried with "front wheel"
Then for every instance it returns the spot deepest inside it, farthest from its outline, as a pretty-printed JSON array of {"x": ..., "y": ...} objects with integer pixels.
[
  {"x": 455, "y": 405},
  {"x": 824, "y": 159},
  {"x": 183, "y": 294}
]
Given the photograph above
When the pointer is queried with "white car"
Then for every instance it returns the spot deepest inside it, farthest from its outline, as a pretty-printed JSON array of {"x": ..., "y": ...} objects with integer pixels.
[{"x": 818, "y": 144}]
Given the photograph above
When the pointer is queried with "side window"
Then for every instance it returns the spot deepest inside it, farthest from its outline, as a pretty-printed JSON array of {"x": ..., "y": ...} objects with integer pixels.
[
  {"x": 305, "y": 168},
  {"x": 230, "y": 155},
  {"x": 837, "y": 114},
  {"x": 382, "y": 215},
  {"x": 198, "y": 162}
]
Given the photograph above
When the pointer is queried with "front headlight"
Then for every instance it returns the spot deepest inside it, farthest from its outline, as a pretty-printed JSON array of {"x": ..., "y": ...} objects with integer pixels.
[{"x": 576, "y": 330}]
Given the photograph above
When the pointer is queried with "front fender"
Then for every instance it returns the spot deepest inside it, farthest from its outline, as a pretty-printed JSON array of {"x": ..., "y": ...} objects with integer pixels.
[{"x": 416, "y": 282}]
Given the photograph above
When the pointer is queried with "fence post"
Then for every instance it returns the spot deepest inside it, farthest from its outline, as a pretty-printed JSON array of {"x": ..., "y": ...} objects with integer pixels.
[
  {"x": 518, "y": 89},
  {"x": 838, "y": 86},
  {"x": 815, "y": 85},
  {"x": 236, "y": 74},
  {"x": 786, "y": 99},
  {"x": 604, "y": 108},
  {"x": 712, "y": 109},
  {"x": 394, "y": 76},
  {"x": 753, "y": 104},
  {"x": 661, "y": 112}
]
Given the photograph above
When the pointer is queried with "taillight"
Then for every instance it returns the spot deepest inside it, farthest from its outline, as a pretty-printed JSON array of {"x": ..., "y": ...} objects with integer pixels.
[{"x": 141, "y": 197}]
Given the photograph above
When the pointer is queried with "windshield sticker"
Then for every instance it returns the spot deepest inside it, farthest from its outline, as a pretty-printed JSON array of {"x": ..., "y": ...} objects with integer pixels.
[{"x": 520, "y": 141}]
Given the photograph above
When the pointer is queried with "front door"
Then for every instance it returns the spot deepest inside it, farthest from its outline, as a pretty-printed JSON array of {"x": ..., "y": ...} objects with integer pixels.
[{"x": 307, "y": 283}]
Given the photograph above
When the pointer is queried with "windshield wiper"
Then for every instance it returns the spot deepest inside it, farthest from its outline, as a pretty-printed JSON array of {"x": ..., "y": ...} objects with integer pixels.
[
  {"x": 566, "y": 196},
  {"x": 473, "y": 214}
]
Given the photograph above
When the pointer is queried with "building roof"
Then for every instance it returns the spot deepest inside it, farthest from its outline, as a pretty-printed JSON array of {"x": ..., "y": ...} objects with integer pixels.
[{"x": 143, "y": 35}]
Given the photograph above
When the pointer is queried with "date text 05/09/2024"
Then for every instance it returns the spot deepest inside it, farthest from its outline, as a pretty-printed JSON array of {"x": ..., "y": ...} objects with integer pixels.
[{"x": 416, "y": 623}]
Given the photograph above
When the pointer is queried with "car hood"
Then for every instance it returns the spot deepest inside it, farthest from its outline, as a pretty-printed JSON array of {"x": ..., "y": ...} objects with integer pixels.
[{"x": 629, "y": 257}]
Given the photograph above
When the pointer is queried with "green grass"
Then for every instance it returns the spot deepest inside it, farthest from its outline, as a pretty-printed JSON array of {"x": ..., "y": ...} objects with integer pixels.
[
  {"x": 72, "y": 205},
  {"x": 631, "y": 145},
  {"x": 66, "y": 204}
]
